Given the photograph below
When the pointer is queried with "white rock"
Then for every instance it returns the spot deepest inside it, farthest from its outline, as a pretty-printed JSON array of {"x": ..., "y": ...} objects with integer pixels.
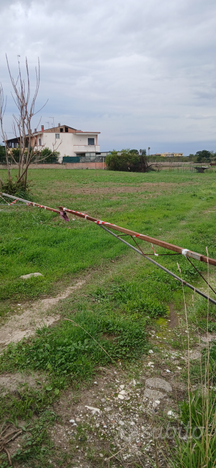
[
  {"x": 155, "y": 403},
  {"x": 120, "y": 397},
  {"x": 153, "y": 394},
  {"x": 122, "y": 392},
  {"x": 171, "y": 414},
  {"x": 94, "y": 410},
  {"x": 150, "y": 351},
  {"x": 30, "y": 275},
  {"x": 158, "y": 383}
]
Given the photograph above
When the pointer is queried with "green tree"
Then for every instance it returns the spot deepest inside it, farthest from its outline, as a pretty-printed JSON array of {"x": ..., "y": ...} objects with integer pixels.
[{"x": 203, "y": 156}]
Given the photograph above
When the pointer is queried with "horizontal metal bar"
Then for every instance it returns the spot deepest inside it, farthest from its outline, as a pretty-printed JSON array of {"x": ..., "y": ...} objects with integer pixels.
[{"x": 152, "y": 240}]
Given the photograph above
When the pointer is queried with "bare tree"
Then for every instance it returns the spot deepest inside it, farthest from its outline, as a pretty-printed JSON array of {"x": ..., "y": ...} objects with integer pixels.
[
  {"x": 3, "y": 133},
  {"x": 22, "y": 122}
]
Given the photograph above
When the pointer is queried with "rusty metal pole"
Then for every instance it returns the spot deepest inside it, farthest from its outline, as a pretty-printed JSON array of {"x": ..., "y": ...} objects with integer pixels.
[{"x": 151, "y": 240}]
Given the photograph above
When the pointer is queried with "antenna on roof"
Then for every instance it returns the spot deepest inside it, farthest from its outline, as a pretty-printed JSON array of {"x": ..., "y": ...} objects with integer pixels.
[{"x": 53, "y": 121}]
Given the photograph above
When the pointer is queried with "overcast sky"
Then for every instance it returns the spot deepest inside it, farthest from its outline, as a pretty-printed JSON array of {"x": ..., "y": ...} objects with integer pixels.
[{"x": 143, "y": 73}]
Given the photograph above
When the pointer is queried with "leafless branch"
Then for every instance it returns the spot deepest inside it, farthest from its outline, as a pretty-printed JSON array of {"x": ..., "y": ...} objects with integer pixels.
[
  {"x": 3, "y": 103},
  {"x": 26, "y": 110}
]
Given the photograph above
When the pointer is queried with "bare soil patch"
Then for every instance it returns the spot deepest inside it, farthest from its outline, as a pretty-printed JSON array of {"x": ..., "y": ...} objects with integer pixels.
[
  {"x": 118, "y": 189},
  {"x": 118, "y": 416},
  {"x": 12, "y": 382},
  {"x": 23, "y": 325}
]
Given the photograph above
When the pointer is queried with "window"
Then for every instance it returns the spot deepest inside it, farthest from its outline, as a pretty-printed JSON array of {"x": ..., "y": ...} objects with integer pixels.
[
  {"x": 57, "y": 135},
  {"x": 66, "y": 129},
  {"x": 61, "y": 130},
  {"x": 90, "y": 141},
  {"x": 39, "y": 141}
]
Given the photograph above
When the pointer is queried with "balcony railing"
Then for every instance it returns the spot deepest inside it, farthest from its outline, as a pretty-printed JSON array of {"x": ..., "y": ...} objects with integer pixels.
[{"x": 86, "y": 149}]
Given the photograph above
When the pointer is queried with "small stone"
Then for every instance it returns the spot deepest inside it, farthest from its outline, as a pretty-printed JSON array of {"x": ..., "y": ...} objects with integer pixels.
[
  {"x": 122, "y": 386},
  {"x": 30, "y": 275},
  {"x": 150, "y": 363},
  {"x": 195, "y": 355},
  {"x": 72, "y": 421},
  {"x": 120, "y": 397},
  {"x": 153, "y": 394},
  {"x": 122, "y": 392},
  {"x": 171, "y": 414},
  {"x": 167, "y": 370},
  {"x": 158, "y": 383},
  {"x": 156, "y": 403},
  {"x": 150, "y": 351},
  {"x": 94, "y": 410}
]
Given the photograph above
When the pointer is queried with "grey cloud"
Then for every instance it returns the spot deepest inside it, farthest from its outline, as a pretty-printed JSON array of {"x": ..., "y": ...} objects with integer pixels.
[{"x": 119, "y": 65}]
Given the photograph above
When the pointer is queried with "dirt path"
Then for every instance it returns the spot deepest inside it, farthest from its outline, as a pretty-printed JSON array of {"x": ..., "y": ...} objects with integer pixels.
[
  {"x": 115, "y": 419},
  {"x": 25, "y": 324}
]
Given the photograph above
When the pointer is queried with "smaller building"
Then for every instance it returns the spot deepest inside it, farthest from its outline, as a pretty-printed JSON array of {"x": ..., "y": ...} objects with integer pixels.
[
  {"x": 171, "y": 155},
  {"x": 168, "y": 155}
]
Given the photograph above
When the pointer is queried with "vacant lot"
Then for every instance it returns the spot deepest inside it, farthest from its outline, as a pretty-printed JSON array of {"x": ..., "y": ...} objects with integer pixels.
[
  {"x": 113, "y": 297},
  {"x": 178, "y": 207}
]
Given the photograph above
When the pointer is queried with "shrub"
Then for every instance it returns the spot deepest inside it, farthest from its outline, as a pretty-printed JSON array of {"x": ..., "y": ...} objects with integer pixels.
[{"x": 126, "y": 160}]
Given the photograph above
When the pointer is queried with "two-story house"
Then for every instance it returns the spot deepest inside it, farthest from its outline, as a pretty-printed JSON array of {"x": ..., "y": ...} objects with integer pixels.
[{"x": 68, "y": 141}]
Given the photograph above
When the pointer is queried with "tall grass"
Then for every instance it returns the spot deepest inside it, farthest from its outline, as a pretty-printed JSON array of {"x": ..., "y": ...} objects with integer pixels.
[{"x": 198, "y": 414}]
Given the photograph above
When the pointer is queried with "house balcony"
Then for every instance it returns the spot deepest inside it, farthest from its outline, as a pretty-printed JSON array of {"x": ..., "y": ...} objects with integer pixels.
[{"x": 86, "y": 149}]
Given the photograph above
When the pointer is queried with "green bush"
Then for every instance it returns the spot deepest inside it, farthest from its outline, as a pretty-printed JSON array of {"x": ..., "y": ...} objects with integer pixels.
[
  {"x": 2, "y": 155},
  {"x": 126, "y": 160},
  {"x": 47, "y": 156}
]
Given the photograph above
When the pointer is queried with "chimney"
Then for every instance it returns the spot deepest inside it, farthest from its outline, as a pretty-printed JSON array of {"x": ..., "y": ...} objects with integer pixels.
[
  {"x": 35, "y": 130},
  {"x": 42, "y": 128},
  {"x": 59, "y": 125}
]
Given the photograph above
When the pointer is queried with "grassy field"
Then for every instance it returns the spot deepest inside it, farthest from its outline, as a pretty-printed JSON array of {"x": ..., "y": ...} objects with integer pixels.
[
  {"x": 124, "y": 294},
  {"x": 177, "y": 207}
]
